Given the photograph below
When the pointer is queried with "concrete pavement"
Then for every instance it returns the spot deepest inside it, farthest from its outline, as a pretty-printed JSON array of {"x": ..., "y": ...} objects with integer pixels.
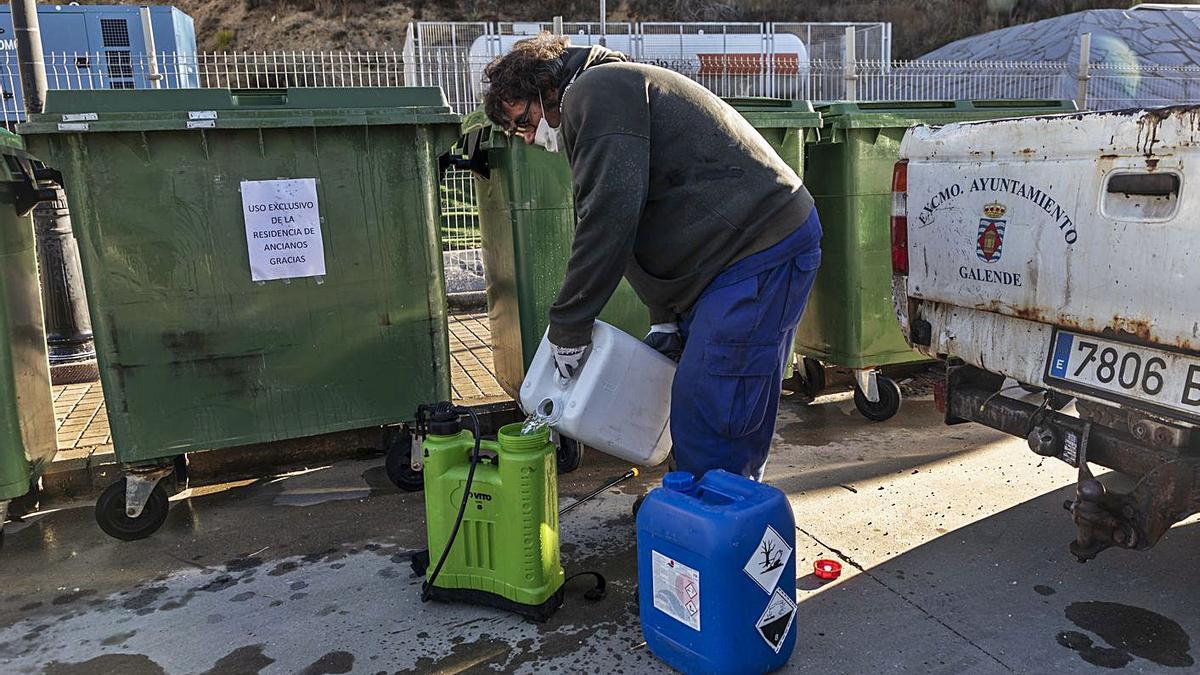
[{"x": 953, "y": 541}]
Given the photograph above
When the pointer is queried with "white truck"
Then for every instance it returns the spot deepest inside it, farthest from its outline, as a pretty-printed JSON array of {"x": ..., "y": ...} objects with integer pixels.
[{"x": 1061, "y": 255}]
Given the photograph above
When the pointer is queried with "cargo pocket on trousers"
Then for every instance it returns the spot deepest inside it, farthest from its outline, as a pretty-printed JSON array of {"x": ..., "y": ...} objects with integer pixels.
[{"x": 740, "y": 377}]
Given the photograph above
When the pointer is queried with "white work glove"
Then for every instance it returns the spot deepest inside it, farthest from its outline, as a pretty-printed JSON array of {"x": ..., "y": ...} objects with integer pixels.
[
  {"x": 568, "y": 360},
  {"x": 666, "y": 339}
]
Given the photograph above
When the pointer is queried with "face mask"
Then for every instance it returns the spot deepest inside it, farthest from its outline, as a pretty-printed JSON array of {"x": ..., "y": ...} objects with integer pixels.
[{"x": 546, "y": 136}]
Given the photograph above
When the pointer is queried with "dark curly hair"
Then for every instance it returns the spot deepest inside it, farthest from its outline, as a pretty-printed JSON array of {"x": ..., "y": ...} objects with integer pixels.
[{"x": 533, "y": 67}]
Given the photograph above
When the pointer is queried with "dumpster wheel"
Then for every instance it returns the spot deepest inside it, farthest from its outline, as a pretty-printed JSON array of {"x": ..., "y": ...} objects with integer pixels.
[
  {"x": 397, "y": 461},
  {"x": 813, "y": 378},
  {"x": 569, "y": 455},
  {"x": 111, "y": 517},
  {"x": 887, "y": 405}
]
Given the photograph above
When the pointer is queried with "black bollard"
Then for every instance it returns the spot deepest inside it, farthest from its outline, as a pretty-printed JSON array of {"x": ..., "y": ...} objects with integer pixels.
[{"x": 68, "y": 325}]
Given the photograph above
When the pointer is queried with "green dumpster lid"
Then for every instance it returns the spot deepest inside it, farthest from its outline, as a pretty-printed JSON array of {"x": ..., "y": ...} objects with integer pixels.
[
  {"x": 882, "y": 114},
  {"x": 776, "y": 112},
  {"x": 9, "y": 140},
  {"x": 165, "y": 109}
]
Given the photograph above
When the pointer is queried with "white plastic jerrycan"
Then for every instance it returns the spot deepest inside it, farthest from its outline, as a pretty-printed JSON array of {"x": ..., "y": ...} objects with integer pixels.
[{"x": 619, "y": 402}]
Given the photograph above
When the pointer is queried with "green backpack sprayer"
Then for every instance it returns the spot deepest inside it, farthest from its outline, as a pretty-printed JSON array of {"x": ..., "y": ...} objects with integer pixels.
[{"x": 491, "y": 516}]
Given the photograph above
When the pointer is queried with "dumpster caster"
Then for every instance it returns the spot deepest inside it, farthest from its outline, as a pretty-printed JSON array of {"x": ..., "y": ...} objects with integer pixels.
[
  {"x": 398, "y": 461},
  {"x": 27, "y": 503},
  {"x": 813, "y": 378},
  {"x": 570, "y": 454},
  {"x": 887, "y": 396},
  {"x": 113, "y": 516}
]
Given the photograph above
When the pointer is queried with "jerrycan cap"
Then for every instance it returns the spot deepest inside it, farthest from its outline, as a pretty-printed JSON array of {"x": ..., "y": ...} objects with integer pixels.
[{"x": 679, "y": 481}]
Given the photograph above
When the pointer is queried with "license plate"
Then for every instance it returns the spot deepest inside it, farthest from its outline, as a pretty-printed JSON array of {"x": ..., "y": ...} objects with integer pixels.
[{"x": 1142, "y": 376}]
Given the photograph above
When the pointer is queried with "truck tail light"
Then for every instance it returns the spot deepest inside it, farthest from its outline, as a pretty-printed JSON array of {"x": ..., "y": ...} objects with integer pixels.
[{"x": 900, "y": 218}]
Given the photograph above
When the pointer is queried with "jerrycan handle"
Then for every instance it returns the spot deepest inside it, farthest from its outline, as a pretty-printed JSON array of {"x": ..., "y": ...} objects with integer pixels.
[{"x": 724, "y": 484}]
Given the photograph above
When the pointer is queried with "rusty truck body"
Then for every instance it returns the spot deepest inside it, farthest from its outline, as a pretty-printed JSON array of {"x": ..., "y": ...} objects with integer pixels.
[{"x": 1061, "y": 255}]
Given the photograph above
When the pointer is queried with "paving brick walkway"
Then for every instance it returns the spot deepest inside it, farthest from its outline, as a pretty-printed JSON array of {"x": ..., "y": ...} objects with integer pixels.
[{"x": 473, "y": 376}]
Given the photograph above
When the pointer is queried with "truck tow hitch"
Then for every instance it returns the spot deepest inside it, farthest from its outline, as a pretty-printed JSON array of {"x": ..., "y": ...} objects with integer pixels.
[
  {"x": 1134, "y": 520},
  {"x": 1168, "y": 479},
  {"x": 1101, "y": 517}
]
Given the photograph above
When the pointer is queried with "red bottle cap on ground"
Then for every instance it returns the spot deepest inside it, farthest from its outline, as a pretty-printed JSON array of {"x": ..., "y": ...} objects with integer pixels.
[{"x": 827, "y": 569}]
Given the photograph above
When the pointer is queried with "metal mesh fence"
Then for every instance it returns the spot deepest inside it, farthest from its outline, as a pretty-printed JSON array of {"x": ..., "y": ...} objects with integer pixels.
[
  {"x": 799, "y": 61},
  {"x": 461, "y": 239}
]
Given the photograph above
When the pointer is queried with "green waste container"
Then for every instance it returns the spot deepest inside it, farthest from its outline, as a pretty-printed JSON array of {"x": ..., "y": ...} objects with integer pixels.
[
  {"x": 850, "y": 321},
  {"x": 260, "y": 265},
  {"x": 527, "y": 222},
  {"x": 28, "y": 440},
  {"x": 527, "y": 217}
]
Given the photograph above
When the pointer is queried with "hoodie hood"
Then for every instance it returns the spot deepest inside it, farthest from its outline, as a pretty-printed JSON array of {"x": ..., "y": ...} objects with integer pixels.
[{"x": 579, "y": 59}]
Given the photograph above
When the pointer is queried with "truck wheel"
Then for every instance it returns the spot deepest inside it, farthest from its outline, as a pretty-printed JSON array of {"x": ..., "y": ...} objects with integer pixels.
[
  {"x": 570, "y": 454},
  {"x": 110, "y": 513},
  {"x": 397, "y": 462},
  {"x": 814, "y": 377},
  {"x": 888, "y": 404}
]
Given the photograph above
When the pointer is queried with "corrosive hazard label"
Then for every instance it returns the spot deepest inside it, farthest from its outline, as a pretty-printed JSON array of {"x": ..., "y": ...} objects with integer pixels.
[
  {"x": 766, "y": 564},
  {"x": 676, "y": 590},
  {"x": 776, "y": 620}
]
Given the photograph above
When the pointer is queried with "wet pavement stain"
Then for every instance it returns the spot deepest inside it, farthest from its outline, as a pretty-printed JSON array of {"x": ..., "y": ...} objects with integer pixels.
[
  {"x": 248, "y": 660},
  {"x": 177, "y": 603},
  {"x": 1129, "y": 631},
  {"x": 108, "y": 664},
  {"x": 219, "y": 584},
  {"x": 376, "y": 479},
  {"x": 144, "y": 598},
  {"x": 68, "y": 598},
  {"x": 283, "y": 568},
  {"x": 242, "y": 564},
  {"x": 1093, "y": 653},
  {"x": 1044, "y": 590},
  {"x": 242, "y": 597},
  {"x": 119, "y": 638},
  {"x": 333, "y": 663}
]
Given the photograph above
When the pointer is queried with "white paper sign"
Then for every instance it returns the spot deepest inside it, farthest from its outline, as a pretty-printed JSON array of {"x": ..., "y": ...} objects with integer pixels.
[
  {"x": 766, "y": 564},
  {"x": 283, "y": 228},
  {"x": 676, "y": 590}
]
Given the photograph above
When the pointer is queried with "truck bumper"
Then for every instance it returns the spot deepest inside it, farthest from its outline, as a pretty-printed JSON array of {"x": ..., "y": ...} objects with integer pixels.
[{"x": 1168, "y": 480}]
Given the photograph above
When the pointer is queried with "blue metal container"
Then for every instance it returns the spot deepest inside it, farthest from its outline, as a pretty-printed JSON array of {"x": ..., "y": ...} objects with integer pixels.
[
  {"x": 717, "y": 574},
  {"x": 101, "y": 46}
]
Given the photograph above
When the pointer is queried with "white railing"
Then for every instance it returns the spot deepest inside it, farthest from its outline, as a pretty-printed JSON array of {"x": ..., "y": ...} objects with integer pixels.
[
  {"x": 1110, "y": 87},
  {"x": 444, "y": 63},
  {"x": 461, "y": 235}
]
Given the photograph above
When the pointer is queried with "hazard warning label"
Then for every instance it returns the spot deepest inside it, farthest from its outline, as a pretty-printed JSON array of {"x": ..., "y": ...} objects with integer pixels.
[
  {"x": 766, "y": 563},
  {"x": 676, "y": 590},
  {"x": 776, "y": 620}
]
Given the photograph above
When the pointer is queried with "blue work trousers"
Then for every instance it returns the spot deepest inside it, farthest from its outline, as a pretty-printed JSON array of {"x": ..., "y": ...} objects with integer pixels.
[{"x": 737, "y": 338}]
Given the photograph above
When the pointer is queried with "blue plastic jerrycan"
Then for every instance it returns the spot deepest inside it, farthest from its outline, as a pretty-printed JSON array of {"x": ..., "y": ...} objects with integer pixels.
[{"x": 717, "y": 574}]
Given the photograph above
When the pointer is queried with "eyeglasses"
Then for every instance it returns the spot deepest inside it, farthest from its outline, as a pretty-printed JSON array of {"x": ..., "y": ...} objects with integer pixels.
[{"x": 521, "y": 124}]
